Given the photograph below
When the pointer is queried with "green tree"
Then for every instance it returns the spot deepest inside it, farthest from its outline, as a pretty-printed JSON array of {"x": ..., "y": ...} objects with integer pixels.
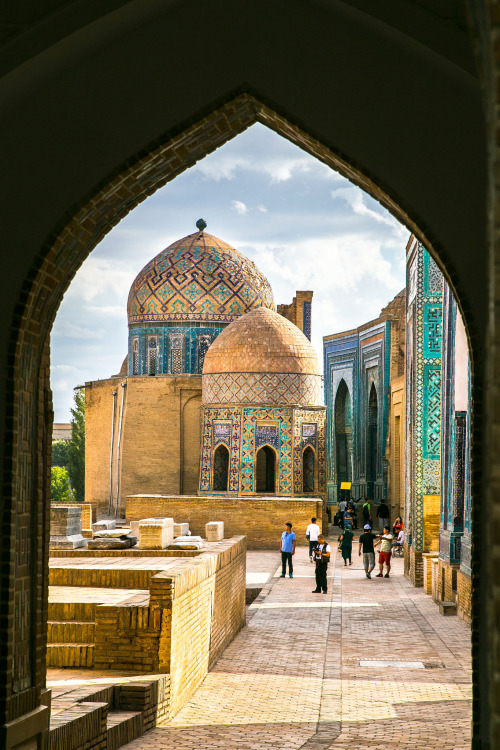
[
  {"x": 60, "y": 491},
  {"x": 76, "y": 447},
  {"x": 60, "y": 453}
]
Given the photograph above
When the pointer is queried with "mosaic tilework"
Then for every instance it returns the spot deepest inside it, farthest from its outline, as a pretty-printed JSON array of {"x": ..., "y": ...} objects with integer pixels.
[
  {"x": 302, "y": 417},
  {"x": 262, "y": 388},
  {"x": 245, "y": 429},
  {"x": 423, "y": 388},
  {"x": 233, "y": 417},
  {"x": 198, "y": 277},
  {"x": 181, "y": 348},
  {"x": 284, "y": 417}
]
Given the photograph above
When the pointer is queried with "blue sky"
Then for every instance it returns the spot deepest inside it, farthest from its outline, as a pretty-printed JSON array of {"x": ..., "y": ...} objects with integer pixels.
[{"x": 304, "y": 225}]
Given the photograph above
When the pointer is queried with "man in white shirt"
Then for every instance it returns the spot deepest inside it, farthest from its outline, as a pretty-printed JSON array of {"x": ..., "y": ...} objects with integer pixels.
[{"x": 312, "y": 533}]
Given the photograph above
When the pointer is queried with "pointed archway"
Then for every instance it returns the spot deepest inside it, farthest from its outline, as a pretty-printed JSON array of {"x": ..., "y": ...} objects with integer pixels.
[
  {"x": 221, "y": 469},
  {"x": 265, "y": 470}
]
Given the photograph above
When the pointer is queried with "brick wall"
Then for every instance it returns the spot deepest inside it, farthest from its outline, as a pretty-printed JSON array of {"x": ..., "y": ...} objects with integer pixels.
[
  {"x": 261, "y": 520},
  {"x": 202, "y": 603},
  {"x": 160, "y": 442},
  {"x": 432, "y": 518},
  {"x": 294, "y": 312},
  {"x": 464, "y": 597},
  {"x": 126, "y": 637}
]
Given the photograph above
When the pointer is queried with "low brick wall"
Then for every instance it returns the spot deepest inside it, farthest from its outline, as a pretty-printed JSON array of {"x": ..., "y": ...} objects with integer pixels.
[
  {"x": 196, "y": 608},
  {"x": 260, "y": 519},
  {"x": 202, "y": 604}
]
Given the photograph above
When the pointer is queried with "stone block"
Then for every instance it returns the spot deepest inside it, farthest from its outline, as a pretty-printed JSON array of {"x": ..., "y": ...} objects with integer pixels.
[
  {"x": 134, "y": 528},
  {"x": 181, "y": 529},
  {"x": 187, "y": 542},
  {"x": 447, "y": 608},
  {"x": 214, "y": 531},
  {"x": 103, "y": 525},
  {"x": 66, "y": 527},
  {"x": 156, "y": 533}
]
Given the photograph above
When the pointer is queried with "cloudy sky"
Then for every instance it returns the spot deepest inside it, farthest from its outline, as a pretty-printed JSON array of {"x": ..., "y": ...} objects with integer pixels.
[{"x": 305, "y": 227}]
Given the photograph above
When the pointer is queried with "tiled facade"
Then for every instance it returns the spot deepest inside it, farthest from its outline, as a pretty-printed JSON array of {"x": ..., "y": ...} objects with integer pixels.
[
  {"x": 261, "y": 396},
  {"x": 359, "y": 366}
]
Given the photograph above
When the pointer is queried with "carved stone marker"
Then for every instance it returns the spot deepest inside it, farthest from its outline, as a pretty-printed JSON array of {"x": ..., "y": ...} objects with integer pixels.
[
  {"x": 181, "y": 529},
  {"x": 214, "y": 531},
  {"x": 156, "y": 533},
  {"x": 66, "y": 527}
]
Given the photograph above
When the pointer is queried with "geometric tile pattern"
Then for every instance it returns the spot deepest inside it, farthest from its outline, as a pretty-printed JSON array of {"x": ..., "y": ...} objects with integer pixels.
[
  {"x": 423, "y": 388},
  {"x": 301, "y": 418},
  {"x": 198, "y": 277},
  {"x": 181, "y": 346},
  {"x": 306, "y": 324},
  {"x": 262, "y": 388},
  {"x": 244, "y": 429}
]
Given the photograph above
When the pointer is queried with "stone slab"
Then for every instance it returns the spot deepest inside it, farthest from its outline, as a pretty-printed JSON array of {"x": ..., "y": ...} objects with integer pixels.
[
  {"x": 181, "y": 529},
  {"x": 67, "y": 542},
  {"x": 112, "y": 543},
  {"x": 103, "y": 525},
  {"x": 214, "y": 531},
  {"x": 112, "y": 533}
]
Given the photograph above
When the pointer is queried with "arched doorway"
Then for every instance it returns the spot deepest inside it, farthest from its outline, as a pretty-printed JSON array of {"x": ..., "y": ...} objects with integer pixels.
[
  {"x": 308, "y": 470},
  {"x": 371, "y": 442},
  {"x": 343, "y": 435},
  {"x": 265, "y": 470},
  {"x": 221, "y": 469}
]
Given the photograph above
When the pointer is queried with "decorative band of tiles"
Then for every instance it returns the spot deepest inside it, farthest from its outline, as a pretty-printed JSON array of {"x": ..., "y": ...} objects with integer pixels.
[{"x": 262, "y": 388}]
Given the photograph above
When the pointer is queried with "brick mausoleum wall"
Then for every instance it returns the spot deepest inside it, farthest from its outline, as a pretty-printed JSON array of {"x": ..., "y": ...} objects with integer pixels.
[
  {"x": 446, "y": 581},
  {"x": 260, "y": 519},
  {"x": 464, "y": 596},
  {"x": 202, "y": 604}
]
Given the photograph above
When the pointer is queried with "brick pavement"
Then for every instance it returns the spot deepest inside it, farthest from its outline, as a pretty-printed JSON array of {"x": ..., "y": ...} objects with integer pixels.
[{"x": 291, "y": 679}]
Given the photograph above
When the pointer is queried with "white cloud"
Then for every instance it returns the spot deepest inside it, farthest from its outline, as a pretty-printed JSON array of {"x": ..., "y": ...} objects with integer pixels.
[
  {"x": 111, "y": 311},
  {"x": 67, "y": 329},
  {"x": 356, "y": 199},
  {"x": 63, "y": 368},
  {"x": 239, "y": 207},
  {"x": 262, "y": 209}
]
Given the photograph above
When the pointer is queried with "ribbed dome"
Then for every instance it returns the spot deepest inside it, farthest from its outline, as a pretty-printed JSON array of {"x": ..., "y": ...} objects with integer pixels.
[
  {"x": 198, "y": 278},
  {"x": 262, "y": 341}
]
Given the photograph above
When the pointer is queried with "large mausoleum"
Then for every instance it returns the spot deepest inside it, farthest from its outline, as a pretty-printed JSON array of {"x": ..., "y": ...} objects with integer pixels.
[
  {"x": 263, "y": 419},
  {"x": 144, "y": 425}
]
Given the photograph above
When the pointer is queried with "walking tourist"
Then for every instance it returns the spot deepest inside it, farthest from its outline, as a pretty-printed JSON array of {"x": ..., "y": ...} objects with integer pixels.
[
  {"x": 348, "y": 519},
  {"x": 346, "y": 545},
  {"x": 321, "y": 554},
  {"x": 367, "y": 513},
  {"x": 287, "y": 550},
  {"x": 382, "y": 515},
  {"x": 385, "y": 552},
  {"x": 312, "y": 533},
  {"x": 397, "y": 526},
  {"x": 342, "y": 510},
  {"x": 366, "y": 544}
]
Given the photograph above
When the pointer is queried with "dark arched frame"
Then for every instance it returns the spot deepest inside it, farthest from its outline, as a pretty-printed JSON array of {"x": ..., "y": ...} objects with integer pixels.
[
  {"x": 122, "y": 57},
  {"x": 220, "y": 469}
]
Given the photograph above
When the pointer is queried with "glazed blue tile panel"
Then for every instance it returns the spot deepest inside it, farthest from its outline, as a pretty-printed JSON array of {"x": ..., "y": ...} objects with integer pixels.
[
  {"x": 432, "y": 331},
  {"x": 431, "y": 427}
]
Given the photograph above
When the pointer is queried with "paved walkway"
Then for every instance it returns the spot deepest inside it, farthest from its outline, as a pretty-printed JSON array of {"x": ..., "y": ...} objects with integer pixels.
[{"x": 292, "y": 678}]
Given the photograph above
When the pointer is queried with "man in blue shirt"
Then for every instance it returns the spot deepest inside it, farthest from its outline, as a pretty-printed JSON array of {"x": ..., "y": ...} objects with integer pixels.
[{"x": 287, "y": 550}]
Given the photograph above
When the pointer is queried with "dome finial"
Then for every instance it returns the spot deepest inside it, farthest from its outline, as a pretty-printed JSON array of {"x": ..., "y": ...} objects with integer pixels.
[{"x": 201, "y": 224}]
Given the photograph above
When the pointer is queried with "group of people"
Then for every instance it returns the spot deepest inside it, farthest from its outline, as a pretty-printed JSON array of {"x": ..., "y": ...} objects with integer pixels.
[
  {"x": 319, "y": 553},
  {"x": 319, "y": 549}
]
